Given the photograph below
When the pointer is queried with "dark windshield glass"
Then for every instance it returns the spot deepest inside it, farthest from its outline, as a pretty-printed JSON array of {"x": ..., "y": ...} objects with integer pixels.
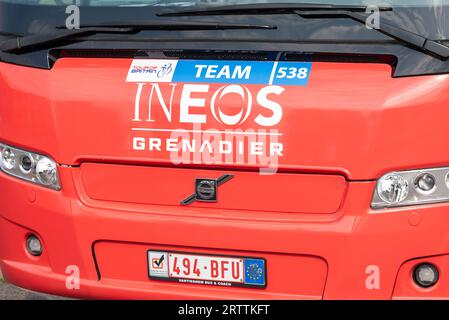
[
  {"x": 181, "y": 3},
  {"x": 428, "y": 18}
]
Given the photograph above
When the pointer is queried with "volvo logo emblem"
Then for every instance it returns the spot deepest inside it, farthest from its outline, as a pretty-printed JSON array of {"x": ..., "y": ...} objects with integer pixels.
[{"x": 206, "y": 189}]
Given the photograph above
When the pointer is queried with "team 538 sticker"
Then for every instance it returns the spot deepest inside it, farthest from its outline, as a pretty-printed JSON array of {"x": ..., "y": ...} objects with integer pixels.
[
  {"x": 220, "y": 71},
  {"x": 213, "y": 111}
]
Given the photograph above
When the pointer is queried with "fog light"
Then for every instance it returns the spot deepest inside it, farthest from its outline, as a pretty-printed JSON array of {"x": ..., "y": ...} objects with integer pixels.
[
  {"x": 425, "y": 275},
  {"x": 34, "y": 245},
  {"x": 392, "y": 188}
]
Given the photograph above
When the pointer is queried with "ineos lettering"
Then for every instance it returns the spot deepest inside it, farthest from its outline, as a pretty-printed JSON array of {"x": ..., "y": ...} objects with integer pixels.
[{"x": 197, "y": 96}]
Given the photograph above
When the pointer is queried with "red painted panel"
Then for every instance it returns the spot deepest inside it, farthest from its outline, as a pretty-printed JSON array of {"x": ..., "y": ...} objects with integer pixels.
[
  {"x": 288, "y": 275},
  {"x": 354, "y": 119},
  {"x": 282, "y": 192}
]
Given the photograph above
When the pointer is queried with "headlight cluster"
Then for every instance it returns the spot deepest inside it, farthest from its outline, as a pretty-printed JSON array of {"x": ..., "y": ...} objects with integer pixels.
[
  {"x": 29, "y": 166},
  {"x": 404, "y": 188}
]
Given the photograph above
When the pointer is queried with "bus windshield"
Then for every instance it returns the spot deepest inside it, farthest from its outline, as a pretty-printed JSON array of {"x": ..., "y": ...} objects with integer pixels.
[{"x": 186, "y": 3}]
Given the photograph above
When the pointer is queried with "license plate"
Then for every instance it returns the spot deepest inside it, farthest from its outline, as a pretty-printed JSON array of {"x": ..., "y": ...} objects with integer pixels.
[{"x": 207, "y": 269}]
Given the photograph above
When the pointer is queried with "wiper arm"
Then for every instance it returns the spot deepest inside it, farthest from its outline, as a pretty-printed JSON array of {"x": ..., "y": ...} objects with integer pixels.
[
  {"x": 20, "y": 43},
  {"x": 264, "y": 8},
  {"x": 410, "y": 38},
  {"x": 357, "y": 13},
  {"x": 177, "y": 25},
  {"x": 30, "y": 42}
]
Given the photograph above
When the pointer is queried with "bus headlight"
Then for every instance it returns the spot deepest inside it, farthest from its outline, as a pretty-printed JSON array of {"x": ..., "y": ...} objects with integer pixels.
[
  {"x": 29, "y": 166},
  {"x": 412, "y": 187},
  {"x": 392, "y": 188}
]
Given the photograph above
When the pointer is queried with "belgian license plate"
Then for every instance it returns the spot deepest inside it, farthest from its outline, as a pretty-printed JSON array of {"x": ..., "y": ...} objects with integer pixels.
[{"x": 207, "y": 269}]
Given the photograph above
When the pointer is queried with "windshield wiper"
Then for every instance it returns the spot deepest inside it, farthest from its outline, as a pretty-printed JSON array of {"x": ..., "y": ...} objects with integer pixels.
[
  {"x": 264, "y": 8},
  {"x": 16, "y": 44},
  {"x": 409, "y": 38},
  {"x": 357, "y": 13}
]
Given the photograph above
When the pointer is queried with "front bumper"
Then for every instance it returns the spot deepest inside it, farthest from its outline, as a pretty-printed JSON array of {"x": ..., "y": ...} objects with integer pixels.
[{"x": 355, "y": 253}]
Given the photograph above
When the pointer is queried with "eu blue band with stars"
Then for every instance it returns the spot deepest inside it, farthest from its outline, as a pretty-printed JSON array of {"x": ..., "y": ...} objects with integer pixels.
[{"x": 255, "y": 272}]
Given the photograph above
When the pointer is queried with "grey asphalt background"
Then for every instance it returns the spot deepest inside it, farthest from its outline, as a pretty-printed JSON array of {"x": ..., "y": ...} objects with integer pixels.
[{"x": 10, "y": 292}]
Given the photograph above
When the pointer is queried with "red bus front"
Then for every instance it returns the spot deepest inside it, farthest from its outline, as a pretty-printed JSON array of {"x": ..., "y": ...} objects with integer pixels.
[{"x": 190, "y": 154}]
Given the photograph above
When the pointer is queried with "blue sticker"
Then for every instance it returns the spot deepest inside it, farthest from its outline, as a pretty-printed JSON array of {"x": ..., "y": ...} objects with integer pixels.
[
  {"x": 255, "y": 272},
  {"x": 291, "y": 73},
  {"x": 242, "y": 72}
]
